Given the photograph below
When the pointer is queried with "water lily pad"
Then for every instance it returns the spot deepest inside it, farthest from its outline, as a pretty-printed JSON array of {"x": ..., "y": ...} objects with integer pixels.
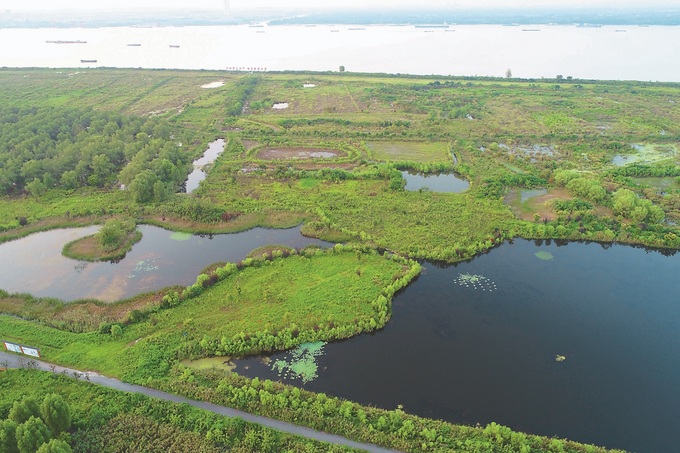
[
  {"x": 560, "y": 358},
  {"x": 545, "y": 256},
  {"x": 180, "y": 236}
]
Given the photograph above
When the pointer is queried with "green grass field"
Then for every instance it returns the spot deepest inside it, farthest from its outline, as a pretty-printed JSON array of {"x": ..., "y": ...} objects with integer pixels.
[{"x": 410, "y": 151}]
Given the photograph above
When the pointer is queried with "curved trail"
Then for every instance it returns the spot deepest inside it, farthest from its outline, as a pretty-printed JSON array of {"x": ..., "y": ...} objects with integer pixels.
[{"x": 14, "y": 361}]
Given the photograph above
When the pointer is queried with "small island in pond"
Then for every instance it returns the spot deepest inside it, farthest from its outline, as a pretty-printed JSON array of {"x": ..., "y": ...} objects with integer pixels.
[{"x": 112, "y": 242}]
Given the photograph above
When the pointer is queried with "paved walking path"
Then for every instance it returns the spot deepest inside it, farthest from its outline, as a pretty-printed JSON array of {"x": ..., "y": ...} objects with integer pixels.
[{"x": 14, "y": 361}]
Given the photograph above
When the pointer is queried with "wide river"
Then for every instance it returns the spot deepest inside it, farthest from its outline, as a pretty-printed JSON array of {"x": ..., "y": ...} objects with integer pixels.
[
  {"x": 469, "y": 355},
  {"x": 609, "y": 52}
]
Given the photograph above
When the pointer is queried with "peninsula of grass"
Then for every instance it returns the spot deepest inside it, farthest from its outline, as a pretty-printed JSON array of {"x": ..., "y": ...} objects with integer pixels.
[
  {"x": 112, "y": 242},
  {"x": 272, "y": 303}
]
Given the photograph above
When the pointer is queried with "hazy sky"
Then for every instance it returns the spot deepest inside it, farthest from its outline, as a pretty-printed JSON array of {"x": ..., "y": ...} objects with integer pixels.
[{"x": 248, "y": 4}]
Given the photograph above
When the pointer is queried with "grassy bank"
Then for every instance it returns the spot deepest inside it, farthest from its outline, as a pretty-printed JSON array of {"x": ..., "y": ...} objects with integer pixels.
[{"x": 271, "y": 303}]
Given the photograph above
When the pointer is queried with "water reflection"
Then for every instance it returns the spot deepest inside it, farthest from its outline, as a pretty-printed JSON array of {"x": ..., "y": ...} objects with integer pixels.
[
  {"x": 436, "y": 182},
  {"x": 35, "y": 264},
  {"x": 195, "y": 177}
]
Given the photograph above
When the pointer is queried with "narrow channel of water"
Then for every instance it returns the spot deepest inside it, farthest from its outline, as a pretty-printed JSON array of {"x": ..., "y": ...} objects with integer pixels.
[
  {"x": 35, "y": 265},
  {"x": 195, "y": 177},
  {"x": 436, "y": 182},
  {"x": 456, "y": 351}
]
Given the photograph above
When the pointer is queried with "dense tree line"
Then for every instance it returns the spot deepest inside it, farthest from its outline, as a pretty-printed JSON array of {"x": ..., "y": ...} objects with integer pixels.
[{"x": 44, "y": 147}]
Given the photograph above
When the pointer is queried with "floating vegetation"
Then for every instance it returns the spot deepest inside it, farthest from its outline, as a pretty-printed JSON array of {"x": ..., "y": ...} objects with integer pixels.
[
  {"x": 475, "y": 282},
  {"x": 301, "y": 363},
  {"x": 545, "y": 256},
  {"x": 143, "y": 266},
  {"x": 560, "y": 358},
  {"x": 180, "y": 236}
]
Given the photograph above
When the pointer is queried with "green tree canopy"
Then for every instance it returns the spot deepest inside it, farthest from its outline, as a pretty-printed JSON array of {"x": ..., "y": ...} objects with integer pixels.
[
  {"x": 56, "y": 413},
  {"x": 25, "y": 409},
  {"x": 55, "y": 446},
  {"x": 8, "y": 439},
  {"x": 31, "y": 435}
]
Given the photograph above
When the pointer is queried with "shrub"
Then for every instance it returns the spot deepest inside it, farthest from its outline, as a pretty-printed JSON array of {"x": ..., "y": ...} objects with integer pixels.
[{"x": 116, "y": 331}]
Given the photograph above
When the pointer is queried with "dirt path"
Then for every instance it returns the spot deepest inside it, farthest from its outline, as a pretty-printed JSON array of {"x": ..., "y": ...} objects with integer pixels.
[{"x": 16, "y": 361}]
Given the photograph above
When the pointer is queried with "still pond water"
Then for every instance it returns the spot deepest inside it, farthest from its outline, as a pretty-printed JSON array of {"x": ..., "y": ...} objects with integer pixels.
[
  {"x": 437, "y": 182},
  {"x": 212, "y": 153},
  {"x": 162, "y": 258},
  {"x": 469, "y": 355}
]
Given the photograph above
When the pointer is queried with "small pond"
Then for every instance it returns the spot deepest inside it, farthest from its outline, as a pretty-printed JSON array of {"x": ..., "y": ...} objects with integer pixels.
[
  {"x": 526, "y": 194},
  {"x": 35, "y": 265},
  {"x": 436, "y": 182},
  {"x": 575, "y": 340},
  {"x": 195, "y": 177}
]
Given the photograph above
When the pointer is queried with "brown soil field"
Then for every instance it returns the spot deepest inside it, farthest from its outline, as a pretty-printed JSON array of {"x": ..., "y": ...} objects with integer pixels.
[
  {"x": 249, "y": 144},
  {"x": 299, "y": 153}
]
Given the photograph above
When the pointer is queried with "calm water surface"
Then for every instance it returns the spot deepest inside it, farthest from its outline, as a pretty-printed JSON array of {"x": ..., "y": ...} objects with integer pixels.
[
  {"x": 195, "y": 177},
  {"x": 597, "y": 53},
  {"x": 472, "y": 356},
  {"x": 35, "y": 264},
  {"x": 437, "y": 182}
]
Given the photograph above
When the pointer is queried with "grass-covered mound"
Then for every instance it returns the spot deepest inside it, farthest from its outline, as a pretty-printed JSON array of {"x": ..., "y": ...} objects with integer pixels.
[
  {"x": 106, "y": 420},
  {"x": 113, "y": 241},
  {"x": 272, "y": 303}
]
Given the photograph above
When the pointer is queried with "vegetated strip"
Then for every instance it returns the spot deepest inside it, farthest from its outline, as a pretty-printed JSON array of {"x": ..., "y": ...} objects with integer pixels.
[{"x": 61, "y": 379}]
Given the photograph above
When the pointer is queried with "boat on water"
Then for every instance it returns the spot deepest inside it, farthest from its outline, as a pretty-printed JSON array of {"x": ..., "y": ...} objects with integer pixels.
[
  {"x": 134, "y": 45},
  {"x": 174, "y": 46},
  {"x": 66, "y": 42},
  {"x": 88, "y": 61}
]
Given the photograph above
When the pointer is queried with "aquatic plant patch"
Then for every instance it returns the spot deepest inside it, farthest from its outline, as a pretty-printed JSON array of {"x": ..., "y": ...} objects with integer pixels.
[
  {"x": 301, "y": 362},
  {"x": 475, "y": 282},
  {"x": 142, "y": 267},
  {"x": 542, "y": 255}
]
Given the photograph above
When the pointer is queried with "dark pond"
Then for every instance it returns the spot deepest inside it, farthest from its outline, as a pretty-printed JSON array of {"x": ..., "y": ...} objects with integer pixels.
[
  {"x": 35, "y": 264},
  {"x": 195, "y": 177},
  {"x": 472, "y": 356},
  {"x": 436, "y": 182}
]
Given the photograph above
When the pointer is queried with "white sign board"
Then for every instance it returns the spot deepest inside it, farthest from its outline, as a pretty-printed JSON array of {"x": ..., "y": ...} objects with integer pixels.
[
  {"x": 13, "y": 347},
  {"x": 30, "y": 351}
]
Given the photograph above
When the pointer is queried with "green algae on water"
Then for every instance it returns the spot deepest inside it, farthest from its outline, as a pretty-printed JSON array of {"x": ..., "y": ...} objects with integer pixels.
[
  {"x": 178, "y": 236},
  {"x": 143, "y": 266},
  {"x": 301, "y": 363},
  {"x": 545, "y": 256}
]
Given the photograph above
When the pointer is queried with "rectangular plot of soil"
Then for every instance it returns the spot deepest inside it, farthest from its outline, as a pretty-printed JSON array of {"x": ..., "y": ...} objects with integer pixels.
[
  {"x": 299, "y": 153},
  {"x": 414, "y": 151}
]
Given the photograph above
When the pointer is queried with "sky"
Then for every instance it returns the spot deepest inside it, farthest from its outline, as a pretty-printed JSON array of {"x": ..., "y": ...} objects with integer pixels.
[{"x": 316, "y": 4}]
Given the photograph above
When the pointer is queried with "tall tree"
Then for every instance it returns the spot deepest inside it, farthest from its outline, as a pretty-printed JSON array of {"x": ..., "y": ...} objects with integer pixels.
[
  {"x": 31, "y": 435},
  {"x": 56, "y": 413}
]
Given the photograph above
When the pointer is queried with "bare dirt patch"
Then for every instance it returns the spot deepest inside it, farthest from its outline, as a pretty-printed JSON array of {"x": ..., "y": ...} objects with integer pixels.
[
  {"x": 299, "y": 153},
  {"x": 249, "y": 144}
]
